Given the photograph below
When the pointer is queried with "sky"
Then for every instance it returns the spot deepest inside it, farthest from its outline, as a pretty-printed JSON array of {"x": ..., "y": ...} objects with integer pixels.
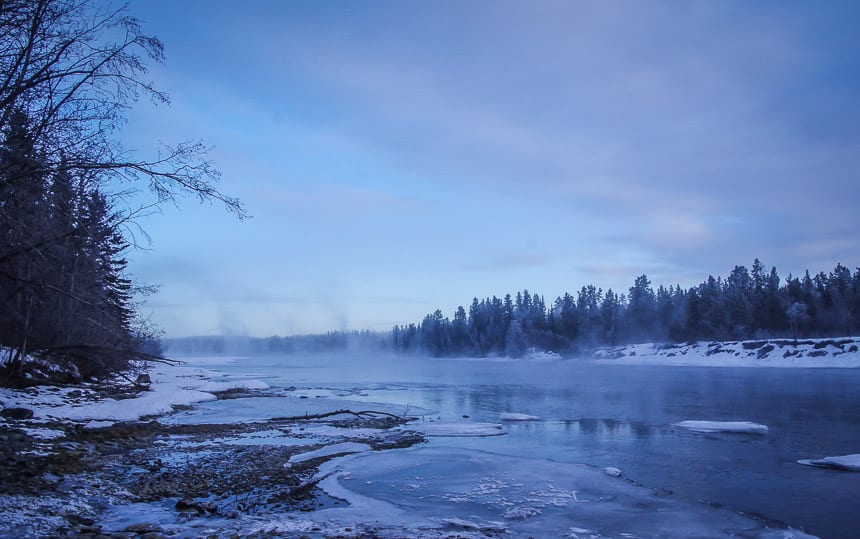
[{"x": 399, "y": 157}]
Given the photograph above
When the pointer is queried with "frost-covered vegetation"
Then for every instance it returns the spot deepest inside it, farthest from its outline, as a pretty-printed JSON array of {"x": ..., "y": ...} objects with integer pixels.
[{"x": 747, "y": 304}]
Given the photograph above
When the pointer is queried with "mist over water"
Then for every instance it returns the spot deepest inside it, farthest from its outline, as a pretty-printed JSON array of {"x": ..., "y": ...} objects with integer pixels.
[{"x": 606, "y": 415}]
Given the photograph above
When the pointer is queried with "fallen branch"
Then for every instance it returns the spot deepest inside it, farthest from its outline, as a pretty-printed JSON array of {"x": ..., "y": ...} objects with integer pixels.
[{"x": 361, "y": 414}]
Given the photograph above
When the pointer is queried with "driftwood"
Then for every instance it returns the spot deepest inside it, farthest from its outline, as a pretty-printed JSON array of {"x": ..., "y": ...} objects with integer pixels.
[
  {"x": 83, "y": 349},
  {"x": 361, "y": 414}
]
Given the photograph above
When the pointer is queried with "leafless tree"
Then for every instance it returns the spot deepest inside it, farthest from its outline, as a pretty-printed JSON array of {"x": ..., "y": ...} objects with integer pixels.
[
  {"x": 74, "y": 67},
  {"x": 69, "y": 71}
]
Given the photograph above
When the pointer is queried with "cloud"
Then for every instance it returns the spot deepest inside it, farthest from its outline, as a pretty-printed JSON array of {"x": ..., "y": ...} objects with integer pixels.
[
  {"x": 508, "y": 261},
  {"x": 391, "y": 148}
]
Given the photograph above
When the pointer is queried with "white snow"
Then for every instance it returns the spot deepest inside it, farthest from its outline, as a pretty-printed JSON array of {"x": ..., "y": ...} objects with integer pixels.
[
  {"x": 518, "y": 417},
  {"x": 97, "y": 424},
  {"x": 849, "y": 463},
  {"x": 171, "y": 386},
  {"x": 334, "y": 449},
  {"x": 806, "y": 353},
  {"x": 743, "y": 427},
  {"x": 44, "y": 434},
  {"x": 612, "y": 471},
  {"x": 458, "y": 428}
]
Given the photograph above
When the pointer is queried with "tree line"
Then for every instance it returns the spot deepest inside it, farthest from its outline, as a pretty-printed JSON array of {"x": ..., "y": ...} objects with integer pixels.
[
  {"x": 69, "y": 70},
  {"x": 747, "y": 304}
]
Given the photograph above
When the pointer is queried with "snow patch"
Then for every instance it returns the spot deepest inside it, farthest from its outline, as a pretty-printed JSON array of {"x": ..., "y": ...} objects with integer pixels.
[
  {"x": 171, "y": 386},
  {"x": 830, "y": 353},
  {"x": 44, "y": 434},
  {"x": 612, "y": 471}
]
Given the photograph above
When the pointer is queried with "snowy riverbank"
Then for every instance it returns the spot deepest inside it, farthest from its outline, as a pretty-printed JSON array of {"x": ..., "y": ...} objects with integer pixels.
[
  {"x": 786, "y": 353},
  {"x": 100, "y": 461},
  {"x": 171, "y": 386}
]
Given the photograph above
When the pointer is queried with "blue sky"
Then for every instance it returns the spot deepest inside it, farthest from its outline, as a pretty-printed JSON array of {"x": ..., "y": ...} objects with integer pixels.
[{"x": 399, "y": 157}]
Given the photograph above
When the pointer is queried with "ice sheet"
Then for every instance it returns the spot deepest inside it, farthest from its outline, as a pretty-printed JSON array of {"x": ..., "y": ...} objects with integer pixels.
[
  {"x": 453, "y": 488},
  {"x": 509, "y": 416},
  {"x": 741, "y": 427},
  {"x": 848, "y": 463},
  {"x": 342, "y": 448},
  {"x": 457, "y": 428}
]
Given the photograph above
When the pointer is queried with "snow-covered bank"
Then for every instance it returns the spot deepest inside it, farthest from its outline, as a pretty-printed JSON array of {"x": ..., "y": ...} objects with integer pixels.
[
  {"x": 806, "y": 353},
  {"x": 171, "y": 386}
]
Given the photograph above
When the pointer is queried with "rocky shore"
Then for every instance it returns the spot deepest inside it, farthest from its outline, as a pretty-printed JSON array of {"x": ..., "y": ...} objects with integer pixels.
[{"x": 146, "y": 479}]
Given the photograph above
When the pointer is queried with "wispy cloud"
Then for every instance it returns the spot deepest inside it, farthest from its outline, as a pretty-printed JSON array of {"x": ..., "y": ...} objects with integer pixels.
[{"x": 398, "y": 150}]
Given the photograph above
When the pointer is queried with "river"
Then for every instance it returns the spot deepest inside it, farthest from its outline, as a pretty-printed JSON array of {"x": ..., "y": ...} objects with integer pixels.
[{"x": 602, "y": 415}]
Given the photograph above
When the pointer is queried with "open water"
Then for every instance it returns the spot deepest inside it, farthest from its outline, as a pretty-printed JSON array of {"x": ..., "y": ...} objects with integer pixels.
[{"x": 601, "y": 415}]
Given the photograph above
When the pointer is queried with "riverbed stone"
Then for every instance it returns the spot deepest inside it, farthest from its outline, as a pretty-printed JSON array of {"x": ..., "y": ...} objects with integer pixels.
[
  {"x": 143, "y": 527},
  {"x": 17, "y": 413}
]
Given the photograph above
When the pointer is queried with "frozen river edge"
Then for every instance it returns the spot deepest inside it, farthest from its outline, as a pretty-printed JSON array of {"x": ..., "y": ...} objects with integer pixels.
[
  {"x": 83, "y": 466},
  {"x": 96, "y": 462}
]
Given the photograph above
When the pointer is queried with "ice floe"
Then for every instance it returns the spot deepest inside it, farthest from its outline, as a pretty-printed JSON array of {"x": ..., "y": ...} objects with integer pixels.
[
  {"x": 518, "y": 417},
  {"x": 457, "y": 428},
  {"x": 848, "y": 463},
  {"x": 741, "y": 427}
]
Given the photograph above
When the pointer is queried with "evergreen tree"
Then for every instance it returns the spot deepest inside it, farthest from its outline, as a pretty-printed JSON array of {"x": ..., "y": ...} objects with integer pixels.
[{"x": 642, "y": 309}]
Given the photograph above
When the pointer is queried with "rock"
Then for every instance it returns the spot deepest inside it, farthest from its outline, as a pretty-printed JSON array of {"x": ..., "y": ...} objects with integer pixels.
[
  {"x": 188, "y": 505},
  {"x": 17, "y": 413},
  {"x": 143, "y": 527},
  {"x": 74, "y": 394},
  {"x": 143, "y": 380}
]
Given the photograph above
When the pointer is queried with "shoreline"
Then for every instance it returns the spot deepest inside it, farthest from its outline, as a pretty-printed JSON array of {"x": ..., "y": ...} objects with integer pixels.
[
  {"x": 84, "y": 466},
  {"x": 77, "y": 468}
]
